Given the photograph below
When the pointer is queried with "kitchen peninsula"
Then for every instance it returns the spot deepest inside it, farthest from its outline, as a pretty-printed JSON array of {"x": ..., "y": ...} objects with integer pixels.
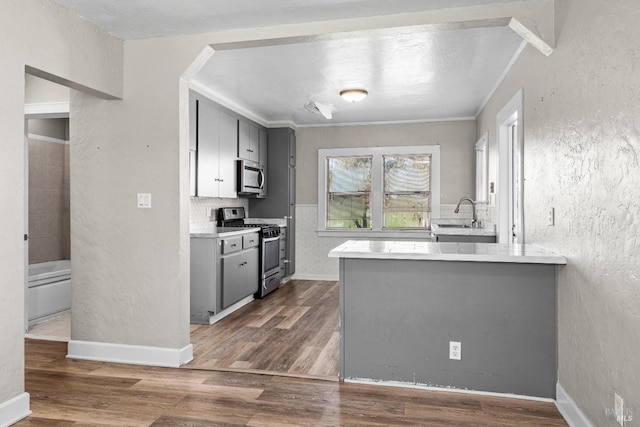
[{"x": 403, "y": 303}]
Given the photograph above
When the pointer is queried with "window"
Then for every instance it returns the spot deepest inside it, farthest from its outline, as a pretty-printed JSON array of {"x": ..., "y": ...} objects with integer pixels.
[{"x": 379, "y": 189}]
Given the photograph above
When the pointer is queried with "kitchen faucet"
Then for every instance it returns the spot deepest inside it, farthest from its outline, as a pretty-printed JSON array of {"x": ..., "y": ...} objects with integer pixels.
[{"x": 474, "y": 220}]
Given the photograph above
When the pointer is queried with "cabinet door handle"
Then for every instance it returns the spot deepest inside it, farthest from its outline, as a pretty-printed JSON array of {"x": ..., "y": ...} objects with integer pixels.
[{"x": 242, "y": 264}]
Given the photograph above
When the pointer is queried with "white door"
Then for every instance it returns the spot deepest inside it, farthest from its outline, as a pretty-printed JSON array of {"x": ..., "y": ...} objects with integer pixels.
[{"x": 509, "y": 124}]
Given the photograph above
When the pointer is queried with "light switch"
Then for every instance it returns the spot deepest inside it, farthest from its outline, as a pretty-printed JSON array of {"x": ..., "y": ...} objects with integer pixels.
[{"x": 144, "y": 200}]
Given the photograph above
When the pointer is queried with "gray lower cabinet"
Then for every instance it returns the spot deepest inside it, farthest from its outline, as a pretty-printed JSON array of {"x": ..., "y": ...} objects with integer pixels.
[
  {"x": 239, "y": 276},
  {"x": 281, "y": 200},
  {"x": 224, "y": 270}
]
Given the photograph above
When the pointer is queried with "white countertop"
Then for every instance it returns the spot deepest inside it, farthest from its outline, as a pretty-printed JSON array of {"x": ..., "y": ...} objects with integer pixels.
[
  {"x": 210, "y": 231},
  {"x": 475, "y": 252}
]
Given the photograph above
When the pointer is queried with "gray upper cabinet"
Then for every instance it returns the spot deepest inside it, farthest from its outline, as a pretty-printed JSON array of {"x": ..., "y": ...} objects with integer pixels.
[
  {"x": 228, "y": 138},
  {"x": 248, "y": 141},
  {"x": 281, "y": 176},
  {"x": 216, "y": 133}
]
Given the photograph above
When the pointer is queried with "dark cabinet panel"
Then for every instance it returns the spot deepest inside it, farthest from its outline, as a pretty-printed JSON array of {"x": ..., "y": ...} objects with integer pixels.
[{"x": 281, "y": 176}]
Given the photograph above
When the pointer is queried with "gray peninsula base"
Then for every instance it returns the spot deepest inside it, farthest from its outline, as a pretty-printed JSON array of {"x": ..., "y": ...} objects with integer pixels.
[{"x": 399, "y": 316}]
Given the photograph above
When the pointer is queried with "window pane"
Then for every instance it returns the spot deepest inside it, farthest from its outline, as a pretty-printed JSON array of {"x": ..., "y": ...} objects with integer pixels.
[
  {"x": 407, "y": 191},
  {"x": 406, "y": 219},
  {"x": 407, "y": 173},
  {"x": 406, "y": 201},
  {"x": 348, "y": 211},
  {"x": 349, "y": 174}
]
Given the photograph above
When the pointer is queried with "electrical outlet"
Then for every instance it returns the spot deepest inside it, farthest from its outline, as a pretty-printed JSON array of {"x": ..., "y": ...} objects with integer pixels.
[
  {"x": 455, "y": 350},
  {"x": 552, "y": 216},
  {"x": 618, "y": 408}
]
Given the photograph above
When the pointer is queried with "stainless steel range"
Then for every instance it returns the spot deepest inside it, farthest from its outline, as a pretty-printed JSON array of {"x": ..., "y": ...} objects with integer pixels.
[{"x": 269, "y": 247}]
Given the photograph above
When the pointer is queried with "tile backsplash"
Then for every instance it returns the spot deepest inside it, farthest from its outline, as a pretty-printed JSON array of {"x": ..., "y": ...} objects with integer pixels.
[
  {"x": 49, "y": 217},
  {"x": 202, "y": 207}
]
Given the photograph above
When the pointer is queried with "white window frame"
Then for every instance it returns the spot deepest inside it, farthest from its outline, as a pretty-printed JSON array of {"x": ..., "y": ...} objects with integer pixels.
[
  {"x": 376, "y": 189},
  {"x": 482, "y": 169}
]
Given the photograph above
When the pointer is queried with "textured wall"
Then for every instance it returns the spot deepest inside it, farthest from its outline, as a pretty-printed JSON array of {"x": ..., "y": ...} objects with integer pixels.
[
  {"x": 72, "y": 55},
  {"x": 582, "y": 141}
]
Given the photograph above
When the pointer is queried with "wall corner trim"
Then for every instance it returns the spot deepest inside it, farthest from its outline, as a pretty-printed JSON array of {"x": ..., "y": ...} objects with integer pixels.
[
  {"x": 530, "y": 37},
  {"x": 130, "y": 354},
  {"x": 14, "y": 409},
  {"x": 569, "y": 410}
]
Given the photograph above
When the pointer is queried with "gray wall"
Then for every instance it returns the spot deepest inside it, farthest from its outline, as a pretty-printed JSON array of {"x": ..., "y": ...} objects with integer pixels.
[
  {"x": 582, "y": 139},
  {"x": 51, "y": 128},
  {"x": 456, "y": 140}
]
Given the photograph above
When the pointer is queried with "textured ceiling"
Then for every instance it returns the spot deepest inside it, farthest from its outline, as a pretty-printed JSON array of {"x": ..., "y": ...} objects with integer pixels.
[
  {"x": 446, "y": 74},
  {"x": 419, "y": 76},
  {"x": 137, "y": 19}
]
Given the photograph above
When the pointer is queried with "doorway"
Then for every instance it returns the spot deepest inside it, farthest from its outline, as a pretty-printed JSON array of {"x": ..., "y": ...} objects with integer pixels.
[
  {"x": 47, "y": 213},
  {"x": 510, "y": 130}
]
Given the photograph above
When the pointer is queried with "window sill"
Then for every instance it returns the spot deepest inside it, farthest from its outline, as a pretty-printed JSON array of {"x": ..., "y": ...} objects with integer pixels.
[{"x": 396, "y": 234}]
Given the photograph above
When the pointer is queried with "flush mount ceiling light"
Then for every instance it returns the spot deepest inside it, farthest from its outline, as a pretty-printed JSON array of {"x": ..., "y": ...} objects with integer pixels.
[{"x": 353, "y": 95}]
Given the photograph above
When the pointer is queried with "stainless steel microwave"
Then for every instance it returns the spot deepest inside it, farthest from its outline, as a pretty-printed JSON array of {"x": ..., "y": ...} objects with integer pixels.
[{"x": 250, "y": 177}]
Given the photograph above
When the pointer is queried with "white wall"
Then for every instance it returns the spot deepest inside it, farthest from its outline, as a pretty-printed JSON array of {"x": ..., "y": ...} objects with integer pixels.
[
  {"x": 582, "y": 141},
  {"x": 133, "y": 264},
  {"x": 71, "y": 55}
]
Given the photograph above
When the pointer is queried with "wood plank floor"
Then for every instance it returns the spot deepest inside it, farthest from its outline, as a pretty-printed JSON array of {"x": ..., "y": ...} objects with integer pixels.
[
  {"x": 293, "y": 331},
  {"x": 66, "y": 392}
]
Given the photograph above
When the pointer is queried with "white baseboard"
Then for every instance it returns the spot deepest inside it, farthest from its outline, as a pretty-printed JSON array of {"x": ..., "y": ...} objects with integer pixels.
[
  {"x": 328, "y": 277},
  {"x": 569, "y": 410},
  {"x": 130, "y": 354},
  {"x": 15, "y": 409}
]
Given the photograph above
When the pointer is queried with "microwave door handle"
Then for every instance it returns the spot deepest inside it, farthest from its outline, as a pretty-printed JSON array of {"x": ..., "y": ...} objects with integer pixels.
[{"x": 261, "y": 184}]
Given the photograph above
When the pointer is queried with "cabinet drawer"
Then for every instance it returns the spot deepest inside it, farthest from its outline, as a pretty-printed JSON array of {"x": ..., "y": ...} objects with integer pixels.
[
  {"x": 231, "y": 244},
  {"x": 250, "y": 240}
]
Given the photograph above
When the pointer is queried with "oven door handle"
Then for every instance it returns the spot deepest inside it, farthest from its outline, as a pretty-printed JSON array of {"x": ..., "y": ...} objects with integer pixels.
[{"x": 270, "y": 239}]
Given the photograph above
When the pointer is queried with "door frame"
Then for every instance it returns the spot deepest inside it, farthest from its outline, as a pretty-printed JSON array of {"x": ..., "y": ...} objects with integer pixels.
[{"x": 512, "y": 111}]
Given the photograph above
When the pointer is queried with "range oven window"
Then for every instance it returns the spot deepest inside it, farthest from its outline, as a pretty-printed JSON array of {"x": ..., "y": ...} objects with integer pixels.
[{"x": 271, "y": 254}]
